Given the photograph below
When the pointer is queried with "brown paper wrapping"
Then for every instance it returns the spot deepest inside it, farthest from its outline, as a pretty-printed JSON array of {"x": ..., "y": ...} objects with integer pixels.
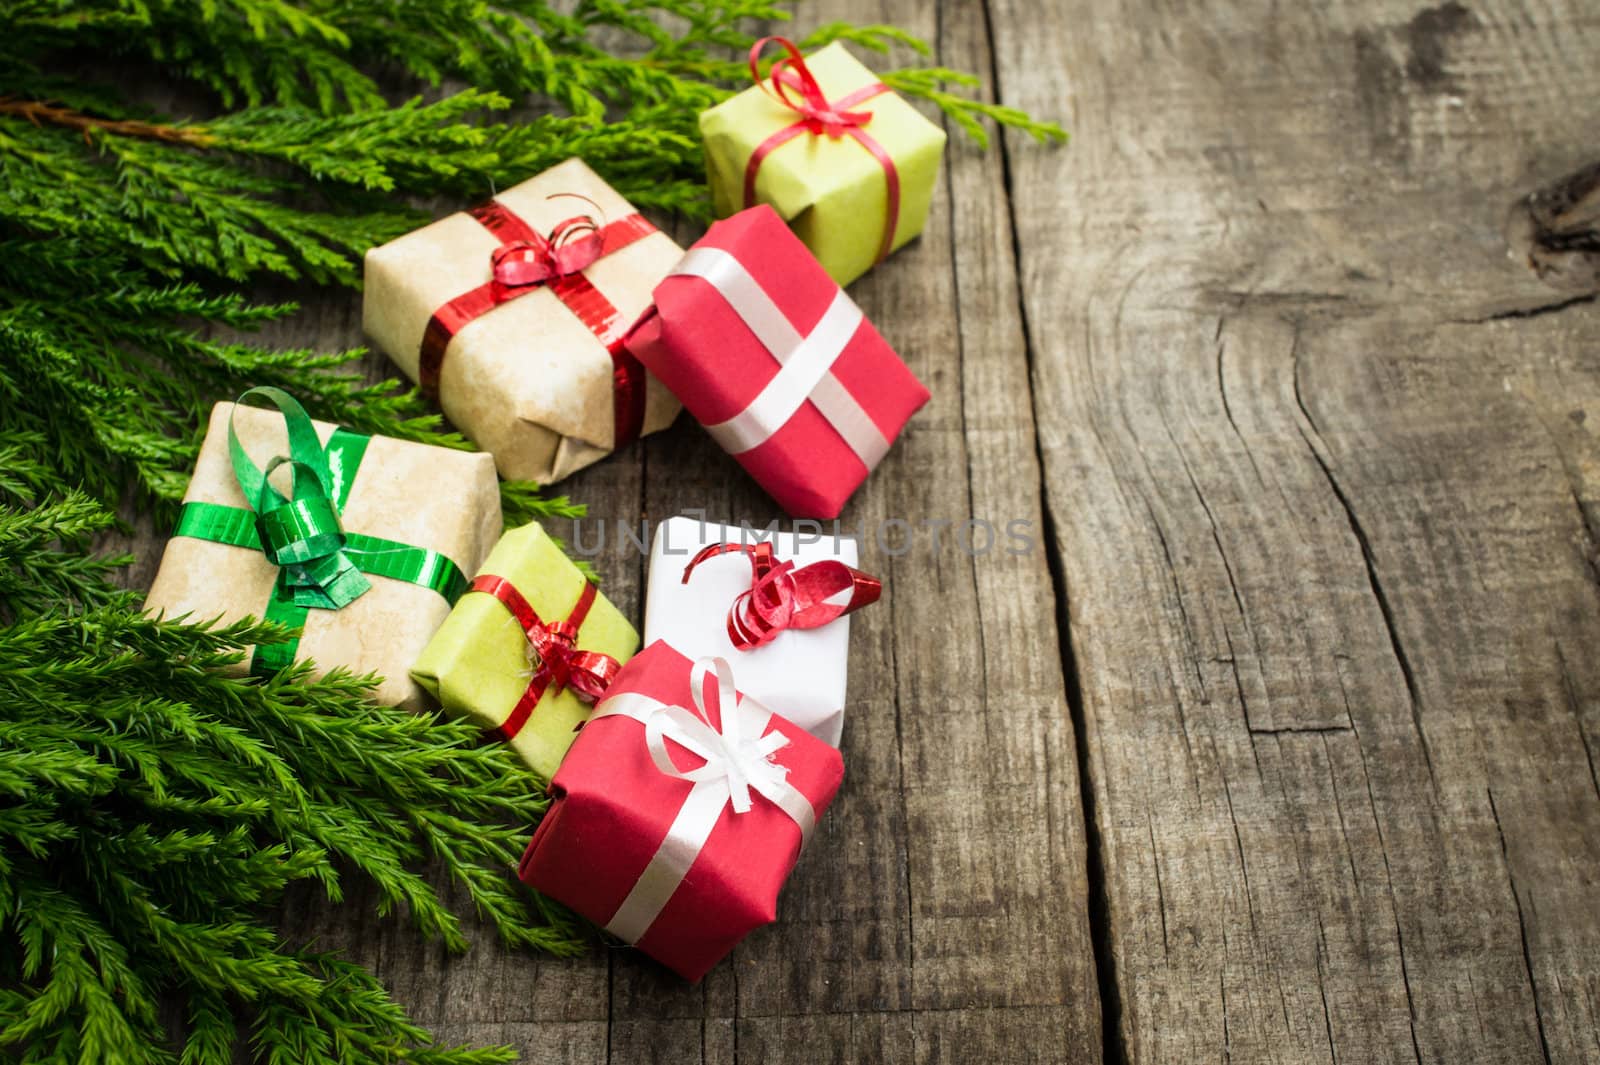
[
  {"x": 528, "y": 381},
  {"x": 416, "y": 494}
]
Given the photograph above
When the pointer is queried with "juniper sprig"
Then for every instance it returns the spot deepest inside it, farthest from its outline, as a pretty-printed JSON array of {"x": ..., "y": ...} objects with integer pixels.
[{"x": 153, "y": 810}]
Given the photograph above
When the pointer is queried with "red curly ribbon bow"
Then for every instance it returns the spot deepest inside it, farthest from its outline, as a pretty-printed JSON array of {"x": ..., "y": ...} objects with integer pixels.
[
  {"x": 783, "y": 597},
  {"x": 526, "y": 260},
  {"x": 561, "y": 664},
  {"x": 819, "y": 116}
]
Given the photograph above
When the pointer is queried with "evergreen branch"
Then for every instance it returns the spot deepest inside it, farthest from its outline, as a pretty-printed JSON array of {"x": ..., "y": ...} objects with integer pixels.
[
  {"x": 203, "y": 816},
  {"x": 34, "y": 579},
  {"x": 41, "y": 112},
  {"x": 876, "y": 38},
  {"x": 926, "y": 82}
]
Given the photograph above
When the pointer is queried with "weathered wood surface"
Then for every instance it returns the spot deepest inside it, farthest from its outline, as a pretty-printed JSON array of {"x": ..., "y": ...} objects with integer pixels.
[
  {"x": 1280, "y": 746},
  {"x": 1316, "y": 448}
]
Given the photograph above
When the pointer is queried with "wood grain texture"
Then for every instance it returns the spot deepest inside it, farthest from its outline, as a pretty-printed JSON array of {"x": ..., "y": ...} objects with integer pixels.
[{"x": 1322, "y": 488}]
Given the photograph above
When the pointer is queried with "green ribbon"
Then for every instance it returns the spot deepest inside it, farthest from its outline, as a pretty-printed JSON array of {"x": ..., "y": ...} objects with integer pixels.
[{"x": 320, "y": 565}]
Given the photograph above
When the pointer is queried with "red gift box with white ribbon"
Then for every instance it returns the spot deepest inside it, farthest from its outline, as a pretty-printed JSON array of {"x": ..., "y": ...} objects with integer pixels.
[
  {"x": 777, "y": 362},
  {"x": 680, "y": 811}
]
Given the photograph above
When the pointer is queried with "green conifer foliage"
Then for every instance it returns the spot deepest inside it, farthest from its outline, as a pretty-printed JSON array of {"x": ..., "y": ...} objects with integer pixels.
[
  {"x": 153, "y": 810},
  {"x": 122, "y": 224}
]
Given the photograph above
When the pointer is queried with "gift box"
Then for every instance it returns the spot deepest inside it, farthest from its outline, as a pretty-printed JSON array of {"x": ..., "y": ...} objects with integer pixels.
[
  {"x": 845, "y": 161},
  {"x": 512, "y": 315},
  {"x": 776, "y": 605},
  {"x": 777, "y": 363},
  {"x": 680, "y": 811},
  {"x": 528, "y": 648},
  {"x": 367, "y": 550}
]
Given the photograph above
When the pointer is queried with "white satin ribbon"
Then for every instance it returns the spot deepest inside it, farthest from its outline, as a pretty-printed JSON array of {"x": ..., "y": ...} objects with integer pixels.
[
  {"x": 737, "y": 760},
  {"x": 805, "y": 362}
]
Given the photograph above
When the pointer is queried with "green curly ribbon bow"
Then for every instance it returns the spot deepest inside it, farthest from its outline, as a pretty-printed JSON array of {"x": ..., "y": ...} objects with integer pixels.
[{"x": 320, "y": 565}]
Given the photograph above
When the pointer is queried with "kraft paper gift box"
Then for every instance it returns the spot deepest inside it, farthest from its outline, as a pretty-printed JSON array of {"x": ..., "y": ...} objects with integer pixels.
[
  {"x": 777, "y": 362},
  {"x": 416, "y": 520},
  {"x": 506, "y": 659},
  {"x": 831, "y": 182},
  {"x": 802, "y": 669},
  {"x": 520, "y": 348},
  {"x": 652, "y": 832}
]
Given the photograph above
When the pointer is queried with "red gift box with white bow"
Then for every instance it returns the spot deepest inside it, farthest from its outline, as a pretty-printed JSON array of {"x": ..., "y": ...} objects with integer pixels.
[
  {"x": 680, "y": 811},
  {"x": 777, "y": 362}
]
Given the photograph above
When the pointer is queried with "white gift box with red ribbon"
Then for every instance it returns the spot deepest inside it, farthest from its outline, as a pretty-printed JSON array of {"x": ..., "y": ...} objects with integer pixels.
[{"x": 803, "y": 670}]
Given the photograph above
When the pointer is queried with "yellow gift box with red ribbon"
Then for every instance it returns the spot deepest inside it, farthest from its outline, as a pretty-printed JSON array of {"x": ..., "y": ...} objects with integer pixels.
[
  {"x": 528, "y": 649},
  {"x": 847, "y": 163}
]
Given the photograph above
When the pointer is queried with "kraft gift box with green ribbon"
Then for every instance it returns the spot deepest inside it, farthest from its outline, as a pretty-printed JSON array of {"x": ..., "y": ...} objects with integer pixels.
[
  {"x": 847, "y": 163},
  {"x": 364, "y": 541},
  {"x": 528, "y": 649}
]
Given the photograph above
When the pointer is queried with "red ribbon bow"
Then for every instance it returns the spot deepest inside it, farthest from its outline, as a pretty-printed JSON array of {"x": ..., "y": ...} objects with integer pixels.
[
  {"x": 523, "y": 260},
  {"x": 572, "y": 247},
  {"x": 783, "y": 597},
  {"x": 561, "y": 664},
  {"x": 817, "y": 113},
  {"x": 819, "y": 116}
]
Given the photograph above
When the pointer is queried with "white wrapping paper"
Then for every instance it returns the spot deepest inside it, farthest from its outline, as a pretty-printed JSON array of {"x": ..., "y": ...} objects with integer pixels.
[{"x": 803, "y": 671}]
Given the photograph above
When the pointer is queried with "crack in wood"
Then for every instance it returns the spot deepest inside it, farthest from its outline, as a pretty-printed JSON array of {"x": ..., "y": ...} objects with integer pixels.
[
  {"x": 1211, "y": 521},
  {"x": 1161, "y": 895},
  {"x": 1394, "y": 903},
  {"x": 1183, "y": 609},
  {"x": 1227, "y": 407},
  {"x": 982, "y": 646},
  {"x": 1114, "y": 1048},
  {"x": 1238, "y": 843},
  {"x": 1222, "y": 554},
  {"x": 1522, "y": 928},
  {"x": 1576, "y": 709},
  {"x": 903, "y": 844},
  {"x": 1536, "y": 311},
  {"x": 1338, "y": 808},
  {"x": 1188, "y": 745},
  {"x": 1591, "y": 537},
  {"x": 1322, "y": 990},
  {"x": 1222, "y": 984},
  {"x": 1244, "y": 706},
  {"x": 1316, "y": 445}
]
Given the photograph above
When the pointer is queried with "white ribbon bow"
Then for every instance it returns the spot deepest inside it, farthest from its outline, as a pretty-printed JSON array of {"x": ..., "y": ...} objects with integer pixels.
[
  {"x": 742, "y": 764},
  {"x": 737, "y": 759}
]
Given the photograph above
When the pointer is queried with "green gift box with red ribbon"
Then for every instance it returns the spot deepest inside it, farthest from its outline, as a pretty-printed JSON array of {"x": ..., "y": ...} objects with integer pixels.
[
  {"x": 847, "y": 163},
  {"x": 363, "y": 542},
  {"x": 528, "y": 649}
]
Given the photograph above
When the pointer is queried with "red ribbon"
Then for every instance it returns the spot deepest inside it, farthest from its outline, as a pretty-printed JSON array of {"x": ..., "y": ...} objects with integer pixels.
[
  {"x": 819, "y": 117},
  {"x": 526, "y": 261},
  {"x": 561, "y": 664},
  {"x": 782, "y": 597}
]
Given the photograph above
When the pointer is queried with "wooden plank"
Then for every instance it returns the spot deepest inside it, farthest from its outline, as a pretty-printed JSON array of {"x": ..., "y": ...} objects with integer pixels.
[
  {"x": 1311, "y": 454},
  {"x": 949, "y": 879}
]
